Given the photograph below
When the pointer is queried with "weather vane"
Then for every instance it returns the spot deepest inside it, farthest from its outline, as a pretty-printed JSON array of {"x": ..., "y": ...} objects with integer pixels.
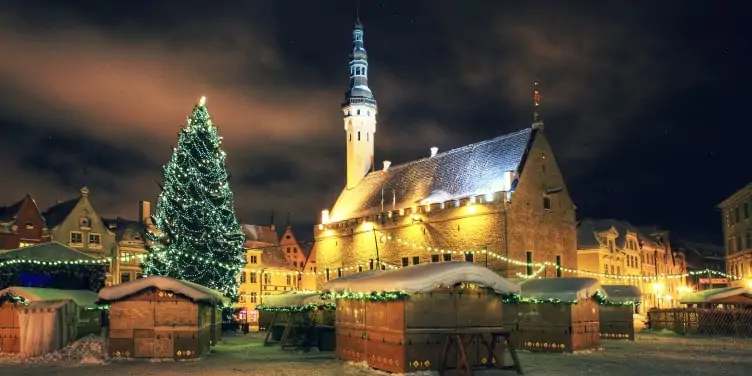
[{"x": 536, "y": 101}]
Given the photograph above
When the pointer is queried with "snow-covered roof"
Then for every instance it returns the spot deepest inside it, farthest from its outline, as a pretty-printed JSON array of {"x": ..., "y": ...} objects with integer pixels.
[
  {"x": 82, "y": 298},
  {"x": 343, "y": 283},
  {"x": 192, "y": 290},
  {"x": 425, "y": 278},
  {"x": 293, "y": 299},
  {"x": 708, "y": 296},
  {"x": 566, "y": 289},
  {"x": 622, "y": 293}
]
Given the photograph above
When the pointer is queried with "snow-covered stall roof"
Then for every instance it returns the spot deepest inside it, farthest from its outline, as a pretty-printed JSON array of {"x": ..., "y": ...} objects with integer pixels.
[
  {"x": 294, "y": 299},
  {"x": 343, "y": 283},
  {"x": 709, "y": 296},
  {"x": 565, "y": 289},
  {"x": 82, "y": 298},
  {"x": 424, "y": 278},
  {"x": 192, "y": 290},
  {"x": 622, "y": 293}
]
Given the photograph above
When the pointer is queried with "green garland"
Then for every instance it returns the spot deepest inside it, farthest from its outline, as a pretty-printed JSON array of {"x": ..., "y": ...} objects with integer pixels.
[
  {"x": 374, "y": 296},
  {"x": 598, "y": 297},
  {"x": 13, "y": 299},
  {"x": 304, "y": 308}
]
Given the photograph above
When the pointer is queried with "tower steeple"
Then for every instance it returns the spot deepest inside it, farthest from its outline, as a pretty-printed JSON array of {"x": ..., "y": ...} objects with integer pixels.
[{"x": 359, "y": 110}]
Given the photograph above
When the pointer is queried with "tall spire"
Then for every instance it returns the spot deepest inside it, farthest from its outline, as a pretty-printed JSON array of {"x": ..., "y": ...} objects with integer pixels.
[
  {"x": 358, "y": 91},
  {"x": 359, "y": 110}
]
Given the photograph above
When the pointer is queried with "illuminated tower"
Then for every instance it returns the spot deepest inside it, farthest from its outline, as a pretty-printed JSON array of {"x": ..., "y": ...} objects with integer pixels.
[{"x": 359, "y": 110}]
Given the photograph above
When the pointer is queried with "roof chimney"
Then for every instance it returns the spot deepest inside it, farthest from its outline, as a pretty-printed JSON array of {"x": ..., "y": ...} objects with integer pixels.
[
  {"x": 387, "y": 164},
  {"x": 434, "y": 150},
  {"x": 144, "y": 211}
]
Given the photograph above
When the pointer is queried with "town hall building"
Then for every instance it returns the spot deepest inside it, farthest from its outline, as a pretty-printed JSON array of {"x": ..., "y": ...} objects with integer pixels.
[{"x": 501, "y": 202}]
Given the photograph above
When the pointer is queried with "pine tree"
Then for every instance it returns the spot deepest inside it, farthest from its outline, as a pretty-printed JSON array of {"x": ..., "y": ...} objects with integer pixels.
[{"x": 197, "y": 237}]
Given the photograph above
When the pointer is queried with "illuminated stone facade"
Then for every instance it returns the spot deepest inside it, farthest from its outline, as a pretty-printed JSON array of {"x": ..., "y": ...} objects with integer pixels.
[
  {"x": 531, "y": 219},
  {"x": 737, "y": 232}
]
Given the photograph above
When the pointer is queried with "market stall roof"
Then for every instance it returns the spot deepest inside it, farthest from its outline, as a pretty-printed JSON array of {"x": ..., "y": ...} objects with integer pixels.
[
  {"x": 192, "y": 290},
  {"x": 293, "y": 299},
  {"x": 425, "y": 278},
  {"x": 731, "y": 295},
  {"x": 82, "y": 298},
  {"x": 565, "y": 289},
  {"x": 52, "y": 251},
  {"x": 623, "y": 293}
]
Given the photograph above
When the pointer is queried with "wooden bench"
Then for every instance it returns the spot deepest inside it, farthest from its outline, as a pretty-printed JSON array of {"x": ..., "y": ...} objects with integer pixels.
[{"x": 461, "y": 338}]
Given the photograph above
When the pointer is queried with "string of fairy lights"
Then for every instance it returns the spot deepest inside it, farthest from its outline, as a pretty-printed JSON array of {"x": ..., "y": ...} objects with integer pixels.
[{"x": 541, "y": 266}]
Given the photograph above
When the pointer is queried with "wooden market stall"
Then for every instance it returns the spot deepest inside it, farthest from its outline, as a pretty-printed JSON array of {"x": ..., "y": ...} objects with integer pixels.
[
  {"x": 555, "y": 314},
  {"x": 726, "y": 297},
  {"x": 161, "y": 317},
  {"x": 308, "y": 320},
  {"x": 35, "y": 321},
  {"x": 617, "y": 316},
  {"x": 433, "y": 316}
]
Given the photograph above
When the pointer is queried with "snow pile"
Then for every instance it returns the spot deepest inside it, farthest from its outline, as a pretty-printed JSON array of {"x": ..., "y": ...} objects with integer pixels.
[
  {"x": 425, "y": 278},
  {"x": 87, "y": 350},
  {"x": 363, "y": 366}
]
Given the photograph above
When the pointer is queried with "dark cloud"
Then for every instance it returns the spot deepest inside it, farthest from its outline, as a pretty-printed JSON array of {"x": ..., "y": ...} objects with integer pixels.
[{"x": 112, "y": 83}]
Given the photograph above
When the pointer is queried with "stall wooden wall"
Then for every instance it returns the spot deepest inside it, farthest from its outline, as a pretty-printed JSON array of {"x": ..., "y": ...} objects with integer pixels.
[
  {"x": 10, "y": 332},
  {"x": 159, "y": 324}
]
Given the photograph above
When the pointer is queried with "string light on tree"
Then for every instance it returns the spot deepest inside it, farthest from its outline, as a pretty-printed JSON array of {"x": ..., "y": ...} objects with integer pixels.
[{"x": 197, "y": 237}]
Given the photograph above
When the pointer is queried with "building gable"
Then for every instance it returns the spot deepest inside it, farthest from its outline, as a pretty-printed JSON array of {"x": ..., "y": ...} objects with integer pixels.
[
  {"x": 475, "y": 169},
  {"x": 78, "y": 216}
]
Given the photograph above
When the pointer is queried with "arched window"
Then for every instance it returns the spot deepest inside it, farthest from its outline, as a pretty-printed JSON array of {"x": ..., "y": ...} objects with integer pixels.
[{"x": 358, "y": 136}]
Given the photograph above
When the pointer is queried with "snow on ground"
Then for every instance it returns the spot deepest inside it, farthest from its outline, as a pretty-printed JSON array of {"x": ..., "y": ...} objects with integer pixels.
[{"x": 651, "y": 354}]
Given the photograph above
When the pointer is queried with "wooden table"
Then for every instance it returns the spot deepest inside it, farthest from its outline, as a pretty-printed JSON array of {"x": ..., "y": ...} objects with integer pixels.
[{"x": 461, "y": 338}]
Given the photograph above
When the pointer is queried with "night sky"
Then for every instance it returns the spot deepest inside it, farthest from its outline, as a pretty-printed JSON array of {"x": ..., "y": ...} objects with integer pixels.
[{"x": 644, "y": 101}]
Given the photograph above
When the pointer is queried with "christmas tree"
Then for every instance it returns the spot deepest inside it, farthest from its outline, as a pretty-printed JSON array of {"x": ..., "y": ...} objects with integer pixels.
[{"x": 197, "y": 237}]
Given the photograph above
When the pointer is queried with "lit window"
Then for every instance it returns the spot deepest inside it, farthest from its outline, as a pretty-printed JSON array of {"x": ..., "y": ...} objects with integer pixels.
[
  {"x": 253, "y": 277},
  {"x": 254, "y": 297},
  {"x": 289, "y": 280},
  {"x": 29, "y": 226},
  {"x": 254, "y": 259},
  {"x": 95, "y": 239},
  {"x": 242, "y": 277}
]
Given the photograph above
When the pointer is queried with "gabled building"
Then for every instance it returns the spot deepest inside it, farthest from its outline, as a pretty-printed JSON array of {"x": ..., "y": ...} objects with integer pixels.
[
  {"x": 292, "y": 249},
  {"x": 76, "y": 224},
  {"x": 736, "y": 213},
  {"x": 266, "y": 272},
  {"x": 131, "y": 244},
  {"x": 310, "y": 271},
  {"x": 616, "y": 252},
  {"x": 701, "y": 257},
  {"x": 500, "y": 202},
  {"x": 22, "y": 225}
]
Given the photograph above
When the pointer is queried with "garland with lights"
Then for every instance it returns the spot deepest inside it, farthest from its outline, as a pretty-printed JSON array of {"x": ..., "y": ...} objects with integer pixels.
[
  {"x": 599, "y": 297},
  {"x": 302, "y": 308},
  {"x": 66, "y": 275},
  {"x": 13, "y": 299},
  {"x": 197, "y": 236},
  {"x": 374, "y": 296},
  {"x": 546, "y": 264}
]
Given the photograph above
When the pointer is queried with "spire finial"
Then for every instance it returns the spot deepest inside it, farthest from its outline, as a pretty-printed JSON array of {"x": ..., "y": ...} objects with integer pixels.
[
  {"x": 536, "y": 102},
  {"x": 357, "y": 14}
]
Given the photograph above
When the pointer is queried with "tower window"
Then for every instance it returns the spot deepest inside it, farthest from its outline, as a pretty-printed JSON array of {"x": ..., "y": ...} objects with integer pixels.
[
  {"x": 349, "y": 137},
  {"x": 358, "y": 112},
  {"x": 358, "y": 133},
  {"x": 367, "y": 136},
  {"x": 547, "y": 203}
]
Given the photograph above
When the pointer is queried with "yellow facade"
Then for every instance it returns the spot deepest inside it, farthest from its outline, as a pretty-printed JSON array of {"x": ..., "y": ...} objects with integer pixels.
[
  {"x": 622, "y": 255},
  {"x": 259, "y": 280},
  {"x": 736, "y": 214}
]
